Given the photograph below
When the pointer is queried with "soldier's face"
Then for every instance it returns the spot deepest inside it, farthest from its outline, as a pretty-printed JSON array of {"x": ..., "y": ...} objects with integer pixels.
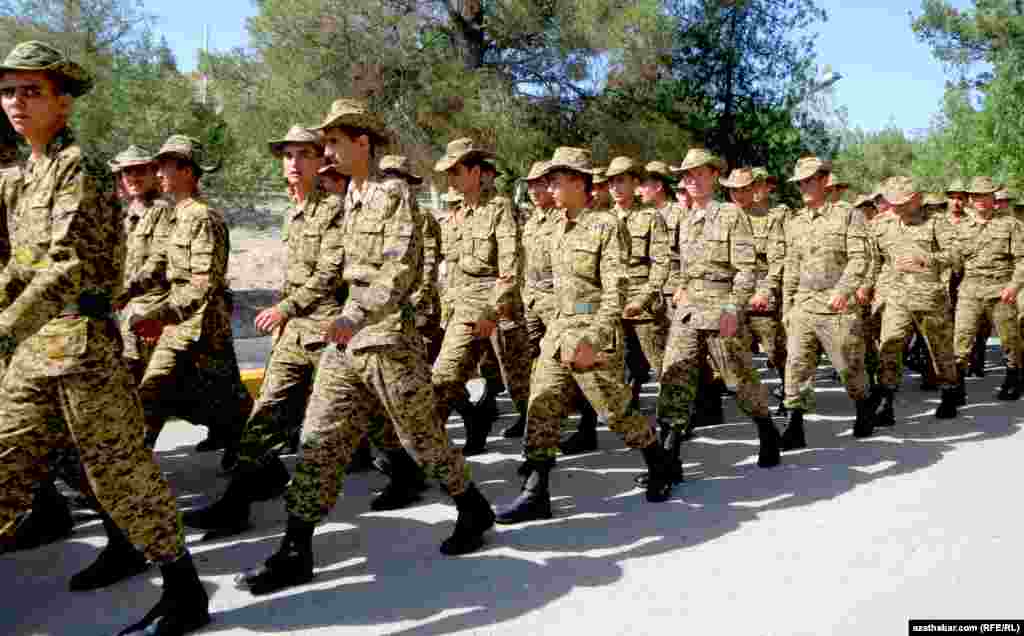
[
  {"x": 700, "y": 181},
  {"x": 174, "y": 176},
  {"x": 743, "y": 197},
  {"x": 1002, "y": 204},
  {"x": 463, "y": 179},
  {"x": 812, "y": 189},
  {"x": 137, "y": 181},
  {"x": 300, "y": 163},
  {"x": 649, "y": 190},
  {"x": 538, "y": 189},
  {"x": 567, "y": 190},
  {"x": 33, "y": 105},
  {"x": 622, "y": 187},
  {"x": 345, "y": 151},
  {"x": 683, "y": 198},
  {"x": 983, "y": 202},
  {"x": 955, "y": 202},
  {"x": 760, "y": 192}
]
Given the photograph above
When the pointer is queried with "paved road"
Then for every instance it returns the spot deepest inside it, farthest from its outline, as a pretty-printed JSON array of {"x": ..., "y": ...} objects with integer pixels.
[{"x": 847, "y": 537}]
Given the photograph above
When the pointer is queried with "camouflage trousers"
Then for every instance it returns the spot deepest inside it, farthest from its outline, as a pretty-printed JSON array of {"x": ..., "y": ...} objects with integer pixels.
[
  {"x": 461, "y": 352},
  {"x": 842, "y": 338},
  {"x": 644, "y": 347},
  {"x": 201, "y": 386},
  {"x": 970, "y": 312},
  {"x": 351, "y": 389},
  {"x": 541, "y": 309},
  {"x": 432, "y": 335},
  {"x": 718, "y": 360},
  {"x": 553, "y": 396},
  {"x": 767, "y": 332},
  {"x": 687, "y": 350},
  {"x": 898, "y": 324},
  {"x": 872, "y": 321},
  {"x": 98, "y": 413}
]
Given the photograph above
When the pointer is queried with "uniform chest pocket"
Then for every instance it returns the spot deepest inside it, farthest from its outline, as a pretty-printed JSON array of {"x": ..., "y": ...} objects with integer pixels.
[
  {"x": 640, "y": 239},
  {"x": 482, "y": 245},
  {"x": 831, "y": 240},
  {"x": 995, "y": 242},
  {"x": 64, "y": 338},
  {"x": 717, "y": 250},
  {"x": 178, "y": 256},
  {"x": 584, "y": 260},
  {"x": 368, "y": 241},
  {"x": 310, "y": 249}
]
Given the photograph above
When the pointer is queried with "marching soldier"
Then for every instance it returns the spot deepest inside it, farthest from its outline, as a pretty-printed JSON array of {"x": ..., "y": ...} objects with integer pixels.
[
  {"x": 870, "y": 291},
  {"x": 917, "y": 250},
  {"x": 718, "y": 274},
  {"x": 992, "y": 249},
  {"x": 826, "y": 262},
  {"x": 67, "y": 383},
  {"x": 379, "y": 371},
  {"x": 583, "y": 346},
  {"x": 958, "y": 210}
]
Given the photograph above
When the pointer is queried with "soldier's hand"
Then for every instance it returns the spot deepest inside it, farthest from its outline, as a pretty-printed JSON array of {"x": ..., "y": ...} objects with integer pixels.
[
  {"x": 839, "y": 302},
  {"x": 728, "y": 324},
  {"x": 632, "y": 310},
  {"x": 147, "y": 329},
  {"x": 1008, "y": 295},
  {"x": 910, "y": 264},
  {"x": 584, "y": 357},
  {"x": 268, "y": 319},
  {"x": 339, "y": 332},
  {"x": 759, "y": 303},
  {"x": 484, "y": 328},
  {"x": 864, "y": 295}
]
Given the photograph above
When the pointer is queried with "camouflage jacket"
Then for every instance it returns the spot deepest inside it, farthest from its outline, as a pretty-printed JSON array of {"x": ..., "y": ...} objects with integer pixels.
[
  {"x": 10, "y": 183},
  {"x": 717, "y": 267},
  {"x": 427, "y": 298},
  {"x": 992, "y": 253},
  {"x": 649, "y": 261},
  {"x": 482, "y": 255},
  {"x": 589, "y": 258},
  {"x": 148, "y": 227},
  {"x": 673, "y": 214},
  {"x": 770, "y": 246},
  {"x": 66, "y": 253},
  {"x": 195, "y": 263},
  {"x": 383, "y": 242},
  {"x": 879, "y": 277},
  {"x": 312, "y": 291},
  {"x": 919, "y": 291},
  {"x": 539, "y": 277},
  {"x": 826, "y": 255}
]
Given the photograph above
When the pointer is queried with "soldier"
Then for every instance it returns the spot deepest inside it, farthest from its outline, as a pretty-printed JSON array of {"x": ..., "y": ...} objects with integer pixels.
[
  {"x": 582, "y": 347},
  {"x": 602, "y": 196},
  {"x": 67, "y": 383},
  {"x": 644, "y": 322},
  {"x": 992, "y": 250},
  {"x": 380, "y": 370},
  {"x": 483, "y": 256},
  {"x": 657, "y": 191},
  {"x": 149, "y": 221},
  {"x": 956, "y": 202},
  {"x": 764, "y": 316},
  {"x": 826, "y": 262},
  {"x": 193, "y": 372},
  {"x": 917, "y": 250},
  {"x": 717, "y": 281},
  {"x": 866, "y": 293}
]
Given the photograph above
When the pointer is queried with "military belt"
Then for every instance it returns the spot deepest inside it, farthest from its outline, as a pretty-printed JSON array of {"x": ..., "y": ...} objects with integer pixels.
[
  {"x": 716, "y": 285},
  {"x": 580, "y": 308},
  {"x": 819, "y": 281}
]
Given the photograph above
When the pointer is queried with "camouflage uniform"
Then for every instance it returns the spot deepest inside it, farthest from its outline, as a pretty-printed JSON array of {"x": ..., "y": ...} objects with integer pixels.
[
  {"x": 766, "y": 327},
  {"x": 539, "y": 278},
  {"x": 826, "y": 255},
  {"x": 383, "y": 371},
  {"x": 427, "y": 299},
  {"x": 718, "y": 261},
  {"x": 68, "y": 383},
  {"x": 880, "y": 281},
  {"x": 193, "y": 372},
  {"x": 674, "y": 216}
]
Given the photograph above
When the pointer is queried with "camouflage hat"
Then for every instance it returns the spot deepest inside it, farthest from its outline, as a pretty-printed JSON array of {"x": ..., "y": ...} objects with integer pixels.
[
  {"x": 761, "y": 174},
  {"x": 659, "y": 170},
  {"x": 40, "y": 56},
  {"x": 354, "y": 113},
  {"x": 899, "y": 190},
  {"x": 400, "y": 164},
  {"x": 697, "y": 157},
  {"x": 983, "y": 185},
  {"x": 807, "y": 167},
  {"x": 835, "y": 181},
  {"x": 460, "y": 150},
  {"x": 537, "y": 170},
  {"x": 957, "y": 187},
  {"x": 623, "y": 165},
  {"x": 864, "y": 199},
  {"x": 188, "y": 148},
  {"x": 934, "y": 199},
  {"x": 452, "y": 196},
  {"x": 739, "y": 178},
  {"x": 568, "y": 158},
  {"x": 1004, "y": 195},
  {"x": 296, "y": 135},
  {"x": 334, "y": 170},
  {"x": 131, "y": 156},
  {"x": 599, "y": 175}
]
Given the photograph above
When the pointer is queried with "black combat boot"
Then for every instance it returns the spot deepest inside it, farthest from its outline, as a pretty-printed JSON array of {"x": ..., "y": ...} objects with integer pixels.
[
  {"x": 793, "y": 438},
  {"x": 183, "y": 607},
  {"x": 768, "y": 454},
  {"x": 534, "y": 500},
  {"x": 1010, "y": 390},
  {"x": 709, "y": 411},
  {"x": 977, "y": 361},
  {"x": 362, "y": 458},
  {"x": 486, "y": 408},
  {"x": 291, "y": 565},
  {"x": 477, "y": 431},
  {"x": 116, "y": 562},
  {"x": 475, "y": 518},
  {"x": 885, "y": 417},
  {"x": 961, "y": 387},
  {"x": 670, "y": 436},
  {"x": 947, "y": 407},
  {"x": 584, "y": 439},
  {"x": 517, "y": 430},
  {"x": 229, "y": 515},
  {"x": 49, "y": 521},
  {"x": 406, "y": 484},
  {"x": 864, "y": 425},
  {"x": 659, "y": 473}
]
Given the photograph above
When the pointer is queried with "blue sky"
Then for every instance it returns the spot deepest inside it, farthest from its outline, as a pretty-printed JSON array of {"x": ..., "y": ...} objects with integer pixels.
[{"x": 888, "y": 76}]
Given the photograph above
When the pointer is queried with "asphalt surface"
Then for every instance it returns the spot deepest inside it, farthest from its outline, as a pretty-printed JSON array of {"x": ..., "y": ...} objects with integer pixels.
[{"x": 846, "y": 537}]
